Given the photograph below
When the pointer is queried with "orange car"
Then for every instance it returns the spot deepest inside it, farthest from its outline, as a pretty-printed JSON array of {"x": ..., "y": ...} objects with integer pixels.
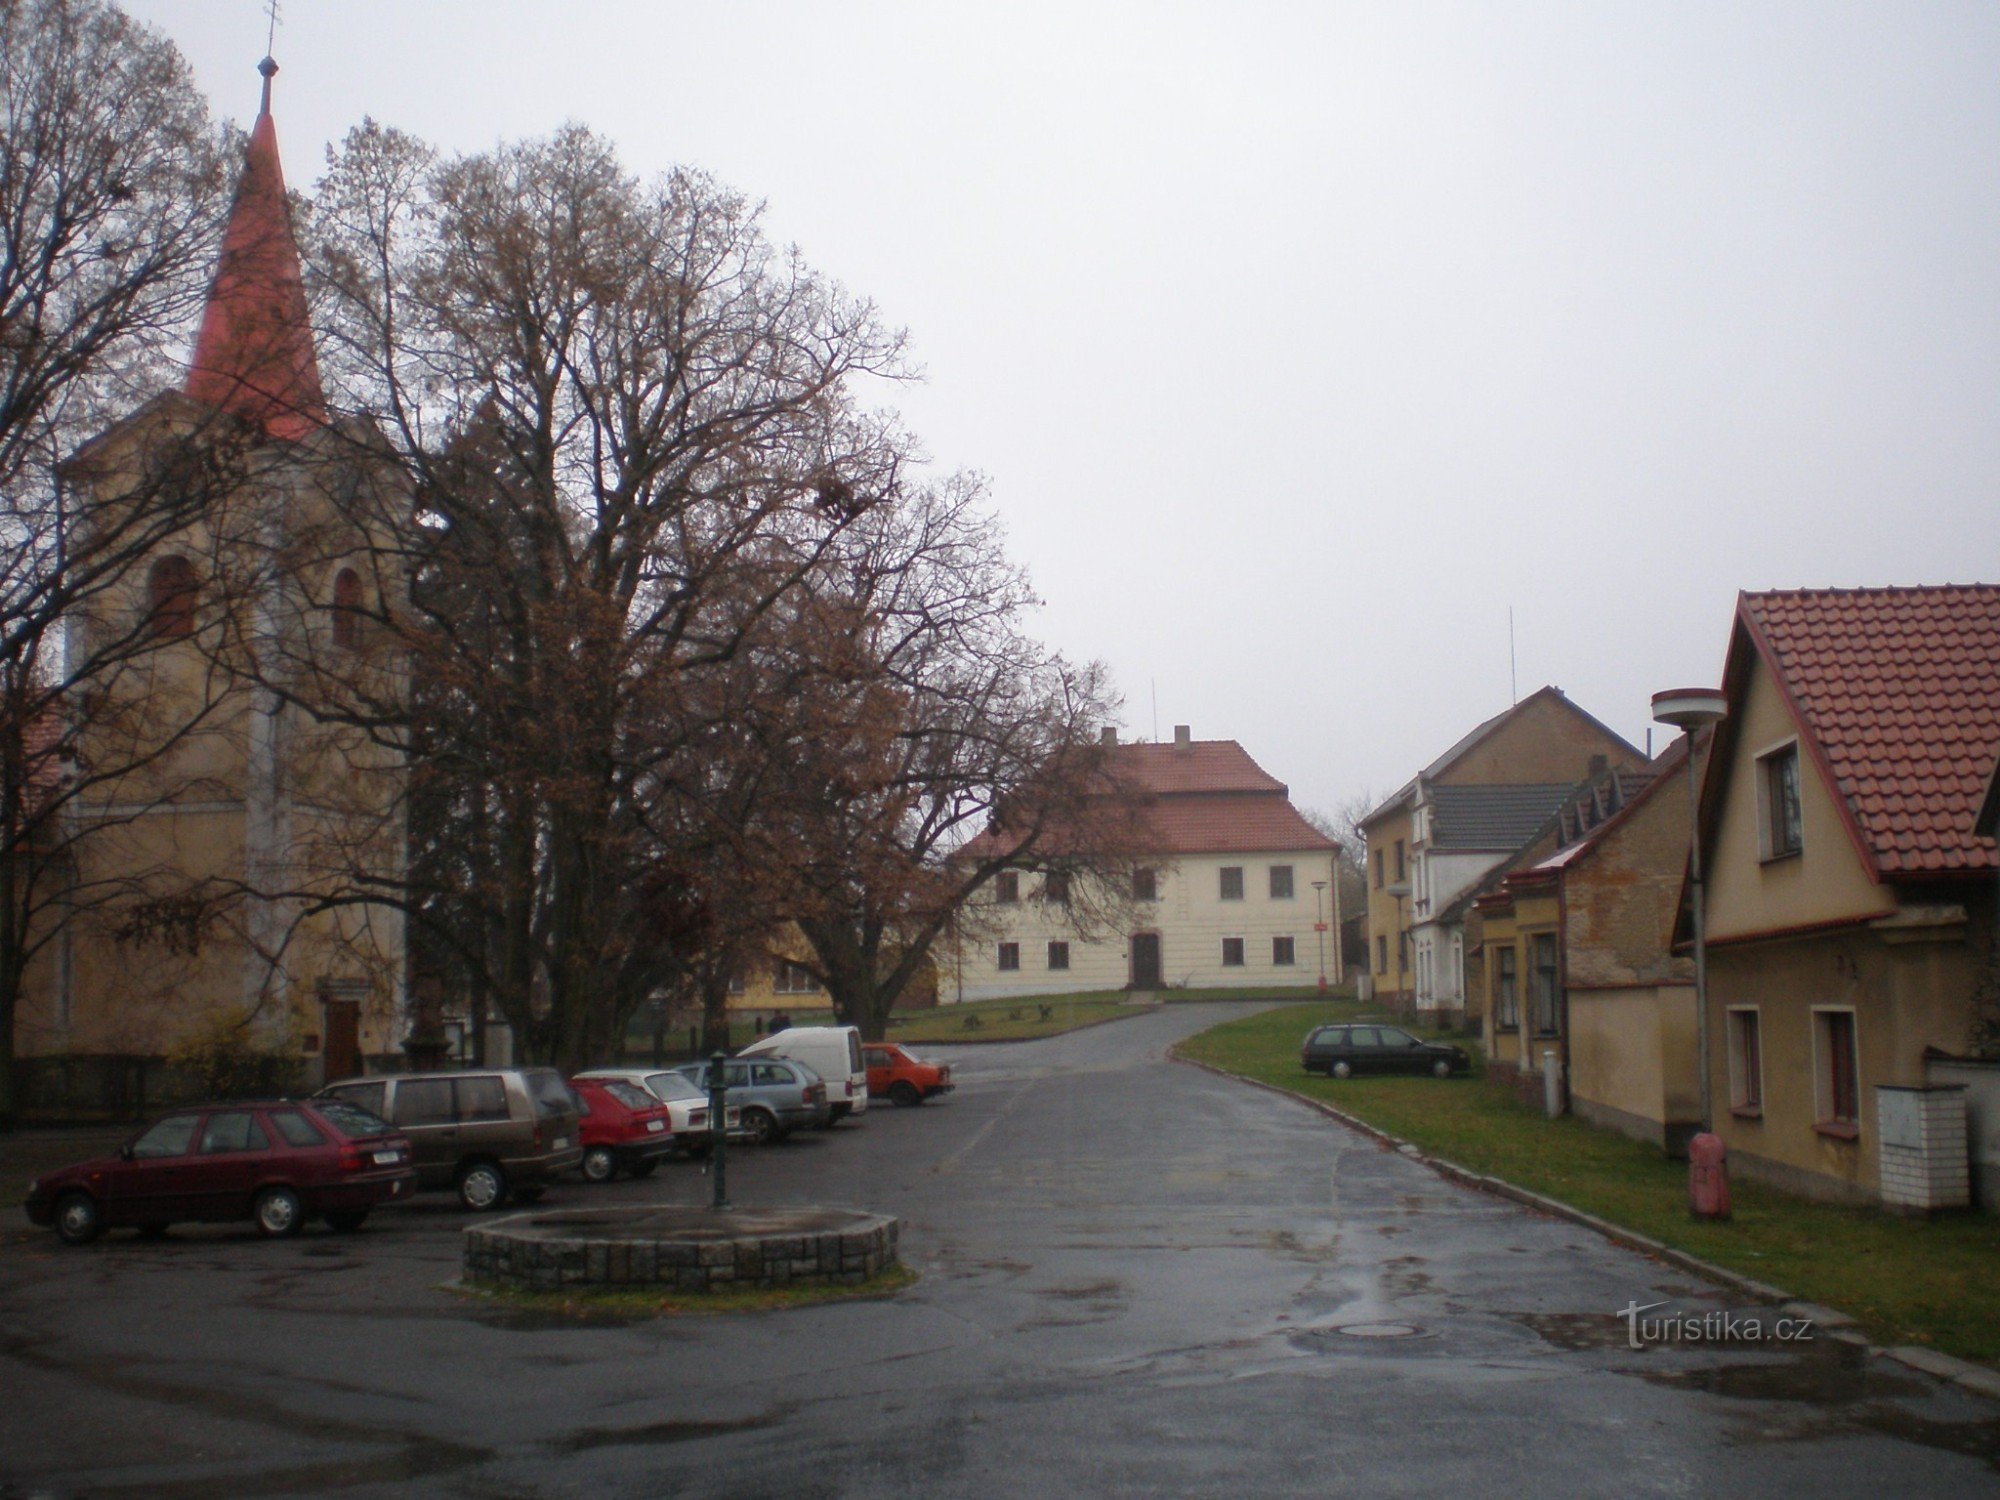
[{"x": 902, "y": 1079}]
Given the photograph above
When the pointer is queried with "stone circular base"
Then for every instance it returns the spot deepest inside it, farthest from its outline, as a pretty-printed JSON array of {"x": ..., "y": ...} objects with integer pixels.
[{"x": 683, "y": 1249}]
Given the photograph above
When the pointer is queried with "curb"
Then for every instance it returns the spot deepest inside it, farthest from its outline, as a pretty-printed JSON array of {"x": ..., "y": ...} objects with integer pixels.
[{"x": 1963, "y": 1373}]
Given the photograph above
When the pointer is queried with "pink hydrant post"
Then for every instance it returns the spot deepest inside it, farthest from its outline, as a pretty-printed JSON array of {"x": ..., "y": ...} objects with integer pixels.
[{"x": 1708, "y": 1177}]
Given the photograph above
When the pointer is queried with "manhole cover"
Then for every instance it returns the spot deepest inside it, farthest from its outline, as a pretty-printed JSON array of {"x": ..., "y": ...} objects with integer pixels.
[{"x": 1378, "y": 1330}]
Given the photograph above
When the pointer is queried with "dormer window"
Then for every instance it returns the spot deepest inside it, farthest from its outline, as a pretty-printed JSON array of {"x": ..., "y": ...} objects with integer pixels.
[
  {"x": 171, "y": 591},
  {"x": 346, "y": 610}
]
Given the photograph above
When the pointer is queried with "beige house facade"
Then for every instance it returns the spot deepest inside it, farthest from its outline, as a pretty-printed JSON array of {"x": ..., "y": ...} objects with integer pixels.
[
  {"x": 1543, "y": 741},
  {"x": 1233, "y": 888},
  {"x": 1850, "y": 899}
]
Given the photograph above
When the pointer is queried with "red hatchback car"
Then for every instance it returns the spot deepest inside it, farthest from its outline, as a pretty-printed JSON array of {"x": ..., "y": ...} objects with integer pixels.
[
  {"x": 623, "y": 1127},
  {"x": 277, "y": 1162}
]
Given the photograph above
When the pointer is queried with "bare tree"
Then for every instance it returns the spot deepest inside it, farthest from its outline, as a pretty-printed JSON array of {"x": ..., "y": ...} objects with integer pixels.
[
  {"x": 633, "y": 427},
  {"x": 922, "y": 713},
  {"x": 112, "y": 183}
]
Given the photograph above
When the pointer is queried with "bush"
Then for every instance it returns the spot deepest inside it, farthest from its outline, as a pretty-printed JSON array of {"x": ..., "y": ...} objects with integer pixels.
[{"x": 229, "y": 1057}]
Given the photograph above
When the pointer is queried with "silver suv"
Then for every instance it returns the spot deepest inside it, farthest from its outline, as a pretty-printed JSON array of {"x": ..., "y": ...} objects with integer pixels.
[{"x": 485, "y": 1133}]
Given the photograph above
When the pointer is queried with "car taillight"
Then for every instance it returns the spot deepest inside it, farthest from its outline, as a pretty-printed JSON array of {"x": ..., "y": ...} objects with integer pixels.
[
  {"x": 538, "y": 1135},
  {"x": 351, "y": 1159},
  {"x": 697, "y": 1117}
]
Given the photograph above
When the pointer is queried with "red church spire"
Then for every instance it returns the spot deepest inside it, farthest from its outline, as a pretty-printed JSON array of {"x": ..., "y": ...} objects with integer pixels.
[{"x": 254, "y": 356}]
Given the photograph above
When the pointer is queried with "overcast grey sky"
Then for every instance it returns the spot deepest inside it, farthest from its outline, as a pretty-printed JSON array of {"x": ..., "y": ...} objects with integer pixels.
[{"x": 1300, "y": 341}]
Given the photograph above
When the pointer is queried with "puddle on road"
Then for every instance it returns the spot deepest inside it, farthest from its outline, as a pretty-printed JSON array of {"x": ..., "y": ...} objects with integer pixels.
[
  {"x": 584, "y": 1439},
  {"x": 1290, "y": 1247},
  {"x": 1824, "y": 1389}
]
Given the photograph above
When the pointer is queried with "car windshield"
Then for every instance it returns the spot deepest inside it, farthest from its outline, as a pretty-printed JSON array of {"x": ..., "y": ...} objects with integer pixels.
[
  {"x": 551, "y": 1095},
  {"x": 350, "y": 1119},
  {"x": 673, "y": 1086}
]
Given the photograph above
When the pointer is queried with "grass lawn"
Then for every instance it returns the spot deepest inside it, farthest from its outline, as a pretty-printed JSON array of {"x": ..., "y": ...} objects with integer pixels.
[
  {"x": 1909, "y": 1281},
  {"x": 1010, "y": 1020}
]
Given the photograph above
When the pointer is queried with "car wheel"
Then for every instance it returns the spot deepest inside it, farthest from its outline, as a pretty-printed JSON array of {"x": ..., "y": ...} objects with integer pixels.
[
  {"x": 1441, "y": 1068},
  {"x": 903, "y": 1093},
  {"x": 1341, "y": 1070},
  {"x": 760, "y": 1125},
  {"x": 78, "y": 1221},
  {"x": 346, "y": 1220},
  {"x": 482, "y": 1186},
  {"x": 642, "y": 1168},
  {"x": 599, "y": 1165},
  {"x": 278, "y": 1213}
]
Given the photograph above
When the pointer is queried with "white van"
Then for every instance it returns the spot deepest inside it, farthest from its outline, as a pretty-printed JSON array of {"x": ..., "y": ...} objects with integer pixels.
[{"x": 833, "y": 1052}]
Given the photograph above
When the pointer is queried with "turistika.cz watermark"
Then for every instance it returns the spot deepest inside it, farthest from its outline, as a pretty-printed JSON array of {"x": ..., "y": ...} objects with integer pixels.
[{"x": 1716, "y": 1326}]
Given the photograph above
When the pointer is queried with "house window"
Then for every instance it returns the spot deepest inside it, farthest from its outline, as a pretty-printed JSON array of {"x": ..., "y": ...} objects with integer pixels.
[
  {"x": 1506, "y": 988},
  {"x": 1055, "y": 888},
  {"x": 1006, "y": 888},
  {"x": 1232, "y": 953},
  {"x": 1544, "y": 982},
  {"x": 1778, "y": 802},
  {"x": 1145, "y": 885},
  {"x": 1281, "y": 882},
  {"x": 1010, "y": 957},
  {"x": 170, "y": 598},
  {"x": 1058, "y": 955},
  {"x": 1839, "y": 1088},
  {"x": 1232, "y": 882},
  {"x": 1378, "y": 869},
  {"x": 1746, "y": 1062},
  {"x": 347, "y": 610},
  {"x": 1281, "y": 952},
  {"x": 793, "y": 979},
  {"x": 1381, "y": 955},
  {"x": 1402, "y": 869}
]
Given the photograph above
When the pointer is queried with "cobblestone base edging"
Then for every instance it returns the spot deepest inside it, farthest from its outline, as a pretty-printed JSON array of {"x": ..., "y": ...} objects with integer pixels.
[
  {"x": 847, "y": 1256},
  {"x": 1836, "y": 1324}
]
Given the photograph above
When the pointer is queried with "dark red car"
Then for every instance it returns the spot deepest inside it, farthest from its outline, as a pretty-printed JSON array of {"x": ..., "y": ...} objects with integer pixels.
[
  {"x": 277, "y": 1162},
  {"x": 624, "y": 1128}
]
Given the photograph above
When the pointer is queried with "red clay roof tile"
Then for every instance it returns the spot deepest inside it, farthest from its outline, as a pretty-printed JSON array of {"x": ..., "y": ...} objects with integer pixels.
[{"x": 1900, "y": 688}]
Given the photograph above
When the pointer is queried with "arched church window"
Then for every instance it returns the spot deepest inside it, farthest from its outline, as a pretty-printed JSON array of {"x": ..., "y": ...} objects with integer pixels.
[{"x": 170, "y": 597}]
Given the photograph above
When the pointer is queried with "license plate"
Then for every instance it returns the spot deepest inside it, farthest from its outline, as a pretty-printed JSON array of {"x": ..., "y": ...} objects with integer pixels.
[
  {"x": 387, "y": 1158},
  {"x": 562, "y": 1143},
  {"x": 655, "y": 1125}
]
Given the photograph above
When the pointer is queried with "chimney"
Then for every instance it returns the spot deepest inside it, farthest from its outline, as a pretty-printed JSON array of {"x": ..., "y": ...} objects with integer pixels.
[
  {"x": 1108, "y": 737},
  {"x": 1183, "y": 740}
]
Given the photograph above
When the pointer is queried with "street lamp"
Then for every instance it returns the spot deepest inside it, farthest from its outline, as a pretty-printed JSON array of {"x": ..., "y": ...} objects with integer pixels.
[
  {"x": 1689, "y": 710},
  {"x": 1319, "y": 928}
]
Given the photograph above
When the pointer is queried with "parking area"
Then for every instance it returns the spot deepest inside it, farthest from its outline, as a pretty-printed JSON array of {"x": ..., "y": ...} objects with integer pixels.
[{"x": 1137, "y": 1278}]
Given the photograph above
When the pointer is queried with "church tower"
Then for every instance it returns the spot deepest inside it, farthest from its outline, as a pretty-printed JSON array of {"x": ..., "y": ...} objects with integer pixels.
[{"x": 240, "y": 819}]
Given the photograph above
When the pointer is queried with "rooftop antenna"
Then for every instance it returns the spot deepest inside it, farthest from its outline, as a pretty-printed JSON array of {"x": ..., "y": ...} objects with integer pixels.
[
  {"x": 1513, "y": 677},
  {"x": 1154, "y": 683}
]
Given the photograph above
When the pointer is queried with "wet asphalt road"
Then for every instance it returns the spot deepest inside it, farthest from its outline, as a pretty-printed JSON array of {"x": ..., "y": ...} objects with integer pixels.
[{"x": 1137, "y": 1279}]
